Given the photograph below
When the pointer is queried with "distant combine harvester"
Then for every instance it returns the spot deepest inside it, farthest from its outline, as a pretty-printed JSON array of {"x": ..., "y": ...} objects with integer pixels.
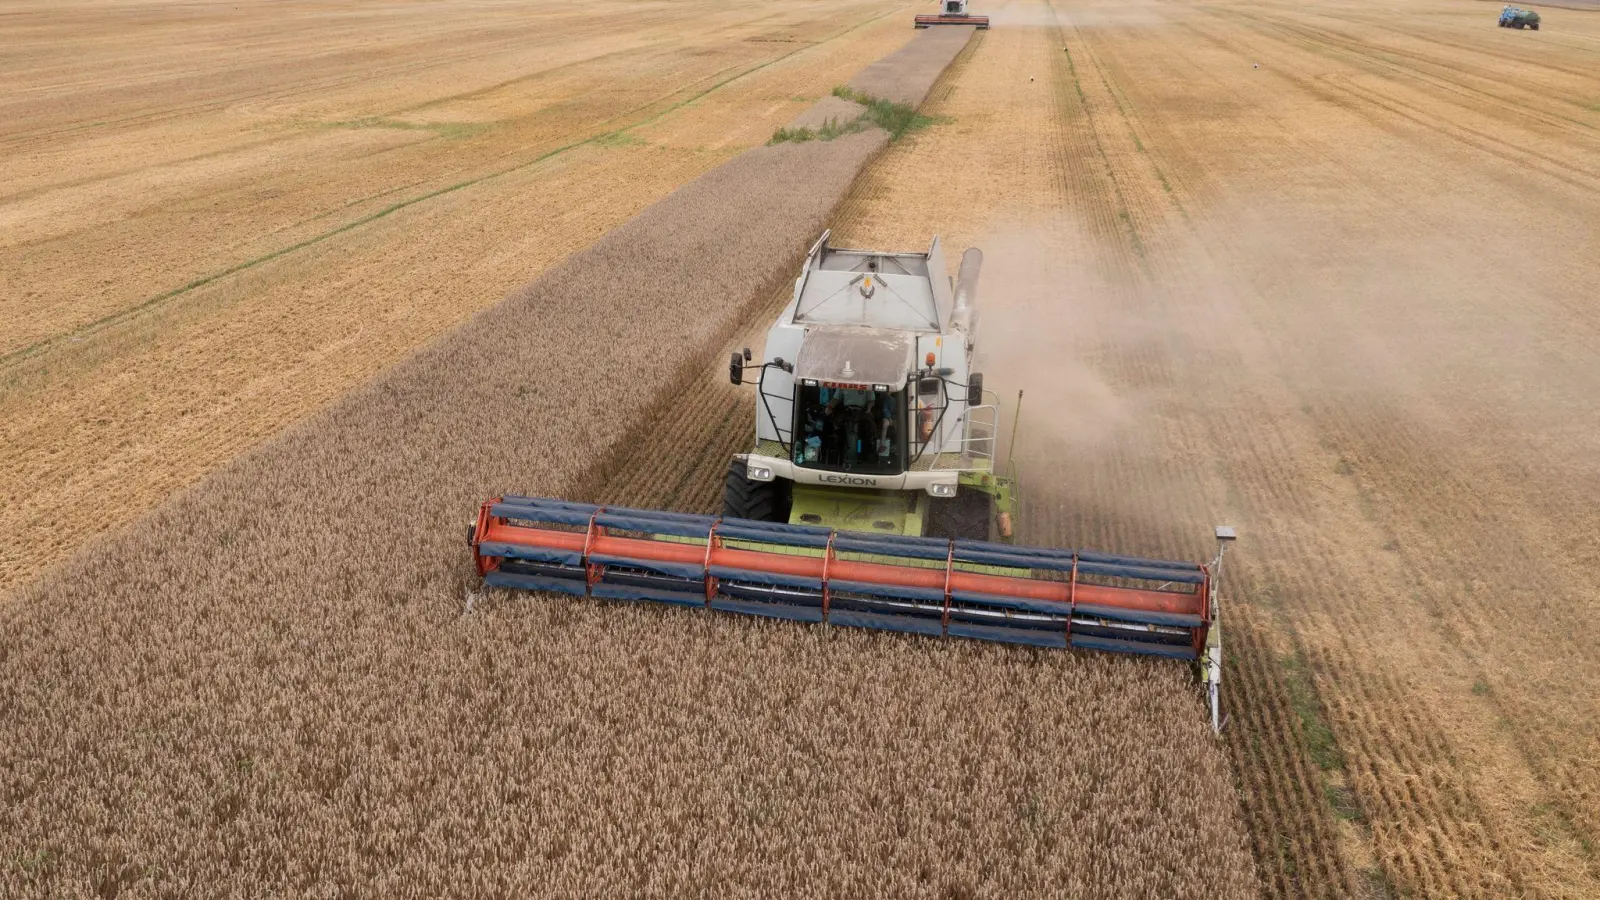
[{"x": 952, "y": 12}]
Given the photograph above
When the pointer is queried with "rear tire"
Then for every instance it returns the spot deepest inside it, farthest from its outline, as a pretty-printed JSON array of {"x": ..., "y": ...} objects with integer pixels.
[
  {"x": 765, "y": 501},
  {"x": 964, "y": 517},
  {"x": 1534, "y": 26}
]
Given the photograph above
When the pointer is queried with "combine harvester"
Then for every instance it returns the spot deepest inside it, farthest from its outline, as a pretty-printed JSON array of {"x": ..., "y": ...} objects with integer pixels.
[
  {"x": 871, "y": 498},
  {"x": 952, "y": 12}
]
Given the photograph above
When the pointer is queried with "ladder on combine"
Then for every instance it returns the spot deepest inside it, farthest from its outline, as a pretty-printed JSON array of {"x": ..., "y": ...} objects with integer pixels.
[{"x": 930, "y": 586}]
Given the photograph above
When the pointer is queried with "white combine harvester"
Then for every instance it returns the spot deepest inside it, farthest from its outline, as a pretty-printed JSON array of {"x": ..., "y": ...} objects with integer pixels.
[
  {"x": 869, "y": 415},
  {"x": 870, "y": 498},
  {"x": 952, "y": 12}
]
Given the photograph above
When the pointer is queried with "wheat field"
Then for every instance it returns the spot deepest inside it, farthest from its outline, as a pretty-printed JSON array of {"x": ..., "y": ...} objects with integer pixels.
[{"x": 1315, "y": 270}]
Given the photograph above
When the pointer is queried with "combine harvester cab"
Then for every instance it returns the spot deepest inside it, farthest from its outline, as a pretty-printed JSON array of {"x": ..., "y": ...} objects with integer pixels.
[
  {"x": 952, "y": 12},
  {"x": 871, "y": 497}
]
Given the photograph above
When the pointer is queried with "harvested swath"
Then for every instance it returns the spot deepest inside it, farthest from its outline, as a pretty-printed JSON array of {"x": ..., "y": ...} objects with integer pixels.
[{"x": 906, "y": 75}]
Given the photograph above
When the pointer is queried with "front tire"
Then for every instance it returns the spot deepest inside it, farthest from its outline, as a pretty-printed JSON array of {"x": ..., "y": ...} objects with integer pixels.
[{"x": 764, "y": 501}]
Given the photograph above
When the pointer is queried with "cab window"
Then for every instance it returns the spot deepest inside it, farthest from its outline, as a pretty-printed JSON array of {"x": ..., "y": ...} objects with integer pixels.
[{"x": 849, "y": 428}]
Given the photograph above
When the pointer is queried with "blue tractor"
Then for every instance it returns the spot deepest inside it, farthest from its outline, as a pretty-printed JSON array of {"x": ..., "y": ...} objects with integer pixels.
[{"x": 1512, "y": 17}]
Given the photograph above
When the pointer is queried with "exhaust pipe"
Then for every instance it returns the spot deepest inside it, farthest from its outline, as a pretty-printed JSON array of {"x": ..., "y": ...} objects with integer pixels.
[{"x": 965, "y": 314}]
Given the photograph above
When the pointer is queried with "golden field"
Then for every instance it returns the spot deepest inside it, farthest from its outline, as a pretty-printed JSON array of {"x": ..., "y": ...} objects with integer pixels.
[{"x": 1317, "y": 270}]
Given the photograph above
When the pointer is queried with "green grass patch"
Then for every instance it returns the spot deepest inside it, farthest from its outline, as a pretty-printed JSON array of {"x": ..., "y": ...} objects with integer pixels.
[
  {"x": 828, "y": 131},
  {"x": 36, "y": 864},
  {"x": 1343, "y": 802},
  {"x": 1378, "y": 883},
  {"x": 1320, "y": 742},
  {"x": 899, "y": 119},
  {"x": 619, "y": 139}
]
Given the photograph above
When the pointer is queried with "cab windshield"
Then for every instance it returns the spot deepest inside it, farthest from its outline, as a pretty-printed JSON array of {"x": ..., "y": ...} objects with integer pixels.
[{"x": 849, "y": 428}]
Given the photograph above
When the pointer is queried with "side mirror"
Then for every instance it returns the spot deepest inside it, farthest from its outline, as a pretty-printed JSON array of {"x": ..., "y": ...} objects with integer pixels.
[
  {"x": 975, "y": 389},
  {"x": 736, "y": 369}
]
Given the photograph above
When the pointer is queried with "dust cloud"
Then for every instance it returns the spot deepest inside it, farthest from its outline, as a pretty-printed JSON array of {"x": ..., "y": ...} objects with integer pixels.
[
  {"x": 1039, "y": 15},
  {"x": 1040, "y": 319},
  {"x": 1159, "y": 367},
  {"x": 1103, "y": 341},
  {"x": 1099, "y": 347}
]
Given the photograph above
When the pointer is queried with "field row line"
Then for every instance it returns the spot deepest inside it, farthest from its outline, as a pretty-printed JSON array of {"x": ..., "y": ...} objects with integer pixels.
[{"x": 17, "y": 356}]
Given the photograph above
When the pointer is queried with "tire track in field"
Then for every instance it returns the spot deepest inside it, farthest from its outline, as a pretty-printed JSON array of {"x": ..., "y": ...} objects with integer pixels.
[
  {"x": 1431, "y": 758},
  {"x": 487, "y": 42},
  {"x": 323, "y": 86},
  {"x": 1290, "y": 820},
  {"x": 1536, "y": 57},
  {"x": 310, "y": 88},
  {"x": 1275, "y": 772},
  {"x": 1328, "y": 44},
  {"x": 1374, "y": 112},
  {"x": 1417, "y": 868},
  {"x": 1090, "y": 172},
  {"x": 1381, "y": 61},
  {"x": 1452, "y": 74},
  {"x": 1158, "y": 207},
  {"x": 1140, "y": 204},
  {"x": 1291, "y": 823}
]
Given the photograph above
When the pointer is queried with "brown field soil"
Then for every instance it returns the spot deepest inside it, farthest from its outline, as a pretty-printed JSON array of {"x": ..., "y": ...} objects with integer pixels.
[
  {"x": 216, "y": 218},
  {"x": 1331, "y": 281}
]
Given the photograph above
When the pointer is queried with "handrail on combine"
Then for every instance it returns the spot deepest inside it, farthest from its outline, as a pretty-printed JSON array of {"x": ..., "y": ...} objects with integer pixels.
[
  {"x": 956, "y": 588},
  {"x": 979, "y": 425}
]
